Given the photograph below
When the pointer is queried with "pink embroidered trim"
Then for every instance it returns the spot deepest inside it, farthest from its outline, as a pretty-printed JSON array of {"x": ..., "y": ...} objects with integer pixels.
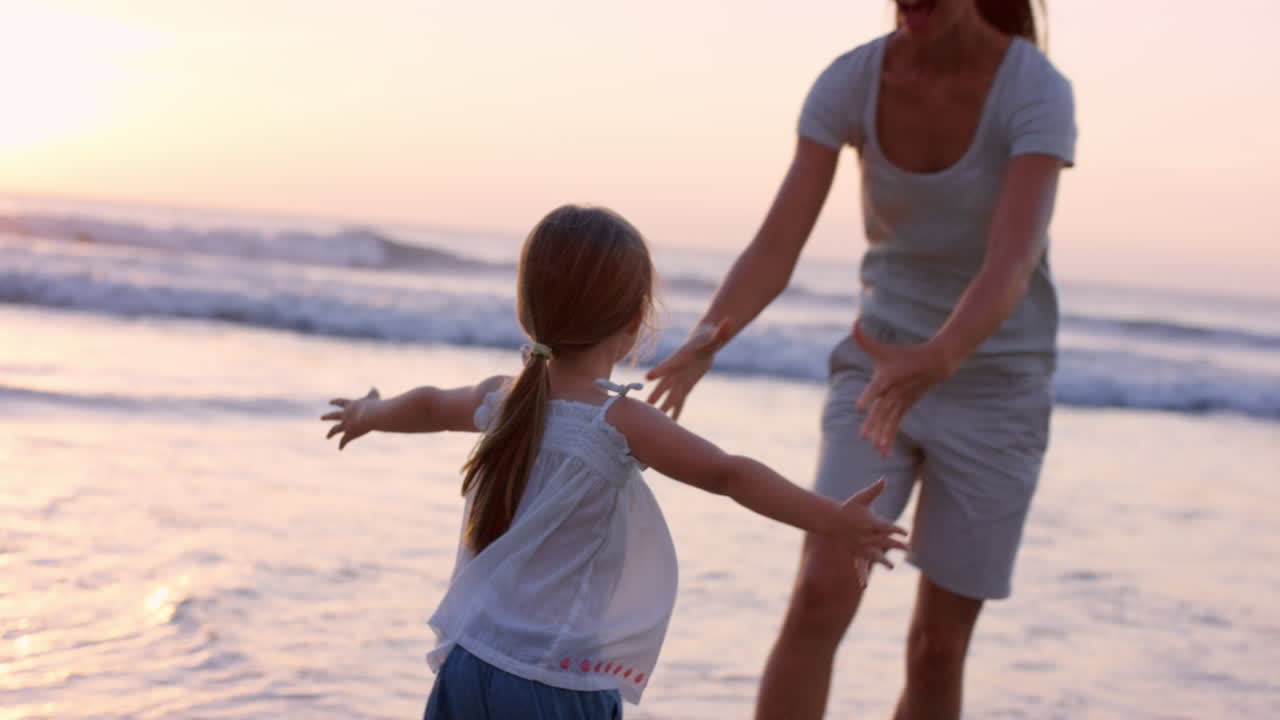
[{"x": 607, "y": 668}]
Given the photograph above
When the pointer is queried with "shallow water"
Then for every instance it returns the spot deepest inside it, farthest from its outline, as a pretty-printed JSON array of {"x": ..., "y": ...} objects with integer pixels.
[{"x": 179, "y": 541}]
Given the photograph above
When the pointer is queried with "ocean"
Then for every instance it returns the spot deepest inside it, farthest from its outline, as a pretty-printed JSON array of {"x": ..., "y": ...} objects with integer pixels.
[{"x": 179, "y": 540}]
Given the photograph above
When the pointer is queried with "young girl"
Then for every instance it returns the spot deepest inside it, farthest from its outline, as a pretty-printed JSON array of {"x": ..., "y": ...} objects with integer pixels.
[{"x": 566, "y": 574}]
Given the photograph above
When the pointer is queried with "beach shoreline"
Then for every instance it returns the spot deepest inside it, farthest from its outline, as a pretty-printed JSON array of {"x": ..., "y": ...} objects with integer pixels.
[{"x": 240, "y": 566}]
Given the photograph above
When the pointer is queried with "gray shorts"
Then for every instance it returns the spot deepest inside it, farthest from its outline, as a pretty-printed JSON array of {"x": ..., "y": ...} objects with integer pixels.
[{"x": 973, "y": 443}]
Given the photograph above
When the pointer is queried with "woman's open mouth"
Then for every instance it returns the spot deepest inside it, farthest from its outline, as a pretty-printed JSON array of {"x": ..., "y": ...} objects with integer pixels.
[{"x": 915, "y": 13}]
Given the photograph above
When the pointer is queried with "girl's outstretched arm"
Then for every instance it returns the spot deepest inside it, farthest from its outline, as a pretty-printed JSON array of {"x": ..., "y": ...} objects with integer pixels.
[
  {"x": 659, "y": 442},
  {"x": 424, "y": 409}
]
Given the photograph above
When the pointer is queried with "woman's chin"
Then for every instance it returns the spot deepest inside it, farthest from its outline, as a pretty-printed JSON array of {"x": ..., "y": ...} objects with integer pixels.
[{"x": 915, "y": 17}]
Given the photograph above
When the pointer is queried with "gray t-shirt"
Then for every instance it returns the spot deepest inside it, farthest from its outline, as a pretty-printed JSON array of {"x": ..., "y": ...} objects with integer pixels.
[{"x": 927, "y": 232}]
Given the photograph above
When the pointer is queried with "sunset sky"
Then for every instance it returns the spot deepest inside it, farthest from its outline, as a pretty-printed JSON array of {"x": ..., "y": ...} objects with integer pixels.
[{"x": 681, "y": 115}]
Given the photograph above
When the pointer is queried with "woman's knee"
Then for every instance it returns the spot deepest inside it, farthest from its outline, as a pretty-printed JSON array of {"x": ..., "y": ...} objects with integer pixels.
[
  {"x": 827, "y": 592},
  {"x": 940, "y": 631},
  {"x": 936, "y": 650}
]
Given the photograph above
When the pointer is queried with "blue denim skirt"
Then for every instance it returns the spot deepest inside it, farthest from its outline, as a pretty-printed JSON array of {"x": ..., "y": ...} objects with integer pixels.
[{"x": 469, "y": 688}]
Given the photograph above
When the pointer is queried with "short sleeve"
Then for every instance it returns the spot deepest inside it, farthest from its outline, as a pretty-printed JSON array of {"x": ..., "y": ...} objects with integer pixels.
[
  {"x": 1042, "y": 118},
  {"x": 833, "y": 111}
]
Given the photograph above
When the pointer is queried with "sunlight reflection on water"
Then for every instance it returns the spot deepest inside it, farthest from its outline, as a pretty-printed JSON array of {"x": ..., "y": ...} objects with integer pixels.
[{"x": 227, "y": 564}]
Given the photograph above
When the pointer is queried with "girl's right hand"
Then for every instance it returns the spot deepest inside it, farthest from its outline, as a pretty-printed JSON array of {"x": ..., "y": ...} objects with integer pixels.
[
  {"x": 686, "y": 366},
  {"x": 867, "y": 536},
  {"x": 352, "y": 417}
]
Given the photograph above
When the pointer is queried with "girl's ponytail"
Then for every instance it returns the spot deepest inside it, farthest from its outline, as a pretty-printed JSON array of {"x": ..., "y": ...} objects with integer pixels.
[{"x": 498, "y": 469}]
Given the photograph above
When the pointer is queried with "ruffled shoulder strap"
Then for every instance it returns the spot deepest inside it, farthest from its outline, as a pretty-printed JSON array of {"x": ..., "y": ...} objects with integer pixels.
[
  {"x": 624, "y": 448},
  {"x": 620, "y": 390}
]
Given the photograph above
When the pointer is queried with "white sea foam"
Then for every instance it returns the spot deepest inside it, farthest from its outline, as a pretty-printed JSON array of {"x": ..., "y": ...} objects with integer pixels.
[
  {"x": 1120, "y": 348},
  {"x": 357, "y": 247}
]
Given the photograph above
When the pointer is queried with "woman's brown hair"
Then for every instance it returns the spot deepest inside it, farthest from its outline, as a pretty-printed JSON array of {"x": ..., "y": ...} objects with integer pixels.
[
  {"x": 1013, "y": 17},
  {"x": 1016, "y": 17},
  {"x": 584, "y": 274}
]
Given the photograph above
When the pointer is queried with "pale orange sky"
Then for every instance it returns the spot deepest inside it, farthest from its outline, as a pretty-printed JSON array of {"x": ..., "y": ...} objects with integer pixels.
[{"x": 681, "y": 115}]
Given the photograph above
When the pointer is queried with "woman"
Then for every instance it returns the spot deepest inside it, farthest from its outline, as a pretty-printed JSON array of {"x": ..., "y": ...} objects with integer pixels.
[{"x": 962, "y": 127}]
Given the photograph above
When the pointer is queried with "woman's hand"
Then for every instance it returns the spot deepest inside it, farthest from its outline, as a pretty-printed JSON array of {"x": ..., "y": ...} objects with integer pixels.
[
  {"x": 686, "y": 366},
  {"x": 353, "y": 417},
  {"x": 903, "y": 373}
]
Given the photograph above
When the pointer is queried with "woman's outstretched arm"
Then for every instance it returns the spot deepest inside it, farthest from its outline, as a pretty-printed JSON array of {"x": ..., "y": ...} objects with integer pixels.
[{"x": 758, "y": 276}]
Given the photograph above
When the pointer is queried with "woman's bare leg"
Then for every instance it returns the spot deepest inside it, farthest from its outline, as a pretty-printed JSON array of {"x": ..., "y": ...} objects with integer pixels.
[
  {"x": 937, "y": 644},
  {"x": 797, "y": 676}
]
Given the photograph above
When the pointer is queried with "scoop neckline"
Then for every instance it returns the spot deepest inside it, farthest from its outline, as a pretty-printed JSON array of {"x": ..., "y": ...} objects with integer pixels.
[{"x": 873, "y": 107}]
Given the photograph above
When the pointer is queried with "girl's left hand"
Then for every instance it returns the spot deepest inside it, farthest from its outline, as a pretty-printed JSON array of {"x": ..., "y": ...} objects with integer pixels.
[
  {"x": 352, "y": 419},
  {"x": 903, "y": 373}
]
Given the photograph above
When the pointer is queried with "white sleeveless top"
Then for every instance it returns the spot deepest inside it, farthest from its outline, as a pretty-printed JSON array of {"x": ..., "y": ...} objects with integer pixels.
[{"x": 578, "y": 592}]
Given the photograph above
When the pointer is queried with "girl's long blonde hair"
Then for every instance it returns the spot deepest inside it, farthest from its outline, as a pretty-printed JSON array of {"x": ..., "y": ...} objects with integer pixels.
[{"x": 585, "y": 274}]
